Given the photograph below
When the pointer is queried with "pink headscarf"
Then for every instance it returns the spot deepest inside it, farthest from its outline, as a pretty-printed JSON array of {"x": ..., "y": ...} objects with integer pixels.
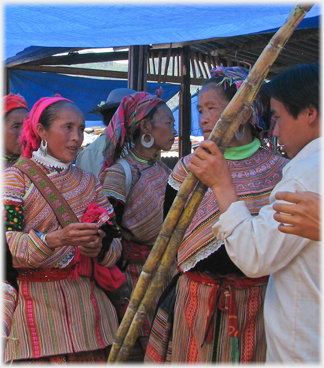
[
  {"x": 13, "y": 101},
  {"x": 131, "y": 111},
  {"x": 29, "y": 138}
]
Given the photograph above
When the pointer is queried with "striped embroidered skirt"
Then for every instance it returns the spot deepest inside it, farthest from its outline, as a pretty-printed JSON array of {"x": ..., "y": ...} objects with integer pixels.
[
  {"x": 189, "y": 328},
  {"x": 60, "y": 318}
]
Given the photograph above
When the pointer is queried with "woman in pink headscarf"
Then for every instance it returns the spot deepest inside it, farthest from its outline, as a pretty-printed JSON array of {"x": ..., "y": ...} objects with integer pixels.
[
  {"x": 14, "y": 110},
  {"x": 141, "y": 127},
  {"x": 59, "y": 226}
]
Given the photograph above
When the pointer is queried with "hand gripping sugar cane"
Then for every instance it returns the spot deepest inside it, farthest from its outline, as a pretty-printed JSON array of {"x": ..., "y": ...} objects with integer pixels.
[{"x": 178, "y": 219}]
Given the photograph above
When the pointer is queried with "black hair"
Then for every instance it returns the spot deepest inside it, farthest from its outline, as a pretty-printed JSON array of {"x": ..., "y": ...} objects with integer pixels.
[
  {"x": 296, "y": 88},
  {"x": 50, "y": 113}
]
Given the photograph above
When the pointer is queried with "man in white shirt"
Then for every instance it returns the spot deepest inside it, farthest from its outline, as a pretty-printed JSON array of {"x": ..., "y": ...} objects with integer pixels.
[
  {"x": 255, "y": 245},
  {"x": 91, "y": 158}
]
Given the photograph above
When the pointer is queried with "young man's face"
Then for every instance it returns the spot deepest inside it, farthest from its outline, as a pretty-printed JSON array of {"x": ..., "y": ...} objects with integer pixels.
[{"x": 292, "y": 133}]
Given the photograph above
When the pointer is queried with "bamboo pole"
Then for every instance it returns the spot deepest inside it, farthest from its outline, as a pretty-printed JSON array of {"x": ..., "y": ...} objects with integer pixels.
[
  {"x": 154, "y": 257},
  {"x": 178, "y": 220}
]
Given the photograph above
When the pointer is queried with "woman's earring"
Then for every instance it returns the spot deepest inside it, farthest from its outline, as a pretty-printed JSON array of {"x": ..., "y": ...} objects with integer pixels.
[
  {"x": 43, "y": 147},
  {"x": 240, "y": 135},
  {"x": 149, "y": 143}
]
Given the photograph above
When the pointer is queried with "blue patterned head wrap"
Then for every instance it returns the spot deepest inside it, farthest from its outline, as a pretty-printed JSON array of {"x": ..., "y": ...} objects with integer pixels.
[{"x": 237, "y": 75}]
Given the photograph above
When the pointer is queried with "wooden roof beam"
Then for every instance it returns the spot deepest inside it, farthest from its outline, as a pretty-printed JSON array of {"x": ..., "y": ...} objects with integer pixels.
[
  {"x": 76, "y": 58},
  {"x": 101, "y": 73},
  {"x": 223, "y": 50},
  {"x": 73, "y": 71}
]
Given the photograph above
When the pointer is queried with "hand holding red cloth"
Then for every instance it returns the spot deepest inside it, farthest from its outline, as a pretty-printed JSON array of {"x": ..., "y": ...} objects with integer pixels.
[
  {"x": 94, "y": 213},
  {"x": 108, "y": 278}
]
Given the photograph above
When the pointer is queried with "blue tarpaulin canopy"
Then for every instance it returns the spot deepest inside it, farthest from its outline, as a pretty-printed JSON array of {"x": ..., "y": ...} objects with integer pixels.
[
  {"x": 36, "y": 31},
  {"x": 111, "y": 25}
]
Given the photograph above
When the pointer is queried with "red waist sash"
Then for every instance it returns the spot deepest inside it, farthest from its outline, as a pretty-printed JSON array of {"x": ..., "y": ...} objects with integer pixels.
[
  {"x": 222, "y": 297},
  {"x": 44, "y": 275},
  {"x": 108, "y": 278},
  {"x": 237, "y": 282}
]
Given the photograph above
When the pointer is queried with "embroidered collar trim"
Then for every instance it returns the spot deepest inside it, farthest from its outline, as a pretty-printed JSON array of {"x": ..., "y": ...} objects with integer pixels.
[
  {"x": 141, "y": 158},
  {"x": 49, "y": 161},
  {"x": 242, "y": 152}
]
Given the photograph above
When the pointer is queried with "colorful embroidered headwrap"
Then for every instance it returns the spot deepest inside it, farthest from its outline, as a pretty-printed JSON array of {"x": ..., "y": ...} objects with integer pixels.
[
  {"x": 29, "y": 138},
  {"x": 13, "y": 101},
  {"x": 131, "y": 111},
  {"x": 236, "y": 75}
]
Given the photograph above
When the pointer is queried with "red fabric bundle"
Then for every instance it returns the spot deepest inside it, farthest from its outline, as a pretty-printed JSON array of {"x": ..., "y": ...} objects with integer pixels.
[
  {"x": 94, "y": 213},
  {"x": 108, "y": 278}
]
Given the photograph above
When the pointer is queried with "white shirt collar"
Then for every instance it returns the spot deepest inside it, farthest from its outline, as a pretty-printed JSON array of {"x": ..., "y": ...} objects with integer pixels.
[{"x": 310, "y": 148}]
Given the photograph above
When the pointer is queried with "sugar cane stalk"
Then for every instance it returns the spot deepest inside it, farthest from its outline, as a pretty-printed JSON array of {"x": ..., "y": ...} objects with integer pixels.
[
  {"x": 177, "y": 221},
  {"x": 153, "y": 259}
]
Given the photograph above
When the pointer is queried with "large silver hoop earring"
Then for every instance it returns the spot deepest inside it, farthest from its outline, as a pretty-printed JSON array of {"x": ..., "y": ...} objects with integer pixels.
[
  {"x": 149, "y": 143},
  {"x": 43, "y": 147},
  {"x": 240, "y": 135}
]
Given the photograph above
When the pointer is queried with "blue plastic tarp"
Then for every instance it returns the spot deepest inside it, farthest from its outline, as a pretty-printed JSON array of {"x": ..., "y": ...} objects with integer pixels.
[
  {"x": 85, "y": 92},
  {"x": 112, "y": 25},
  {"x": 195, "y": 127}
]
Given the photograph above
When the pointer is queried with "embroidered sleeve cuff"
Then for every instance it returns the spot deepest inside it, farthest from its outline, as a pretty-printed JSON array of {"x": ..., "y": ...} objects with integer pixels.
[
  {"x": 113, "y": 254},
  {"x": 37, "y": 240}
]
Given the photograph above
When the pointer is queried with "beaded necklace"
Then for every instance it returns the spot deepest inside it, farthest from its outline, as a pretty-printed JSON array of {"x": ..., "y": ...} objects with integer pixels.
[{"x": 142, "y": 158}]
